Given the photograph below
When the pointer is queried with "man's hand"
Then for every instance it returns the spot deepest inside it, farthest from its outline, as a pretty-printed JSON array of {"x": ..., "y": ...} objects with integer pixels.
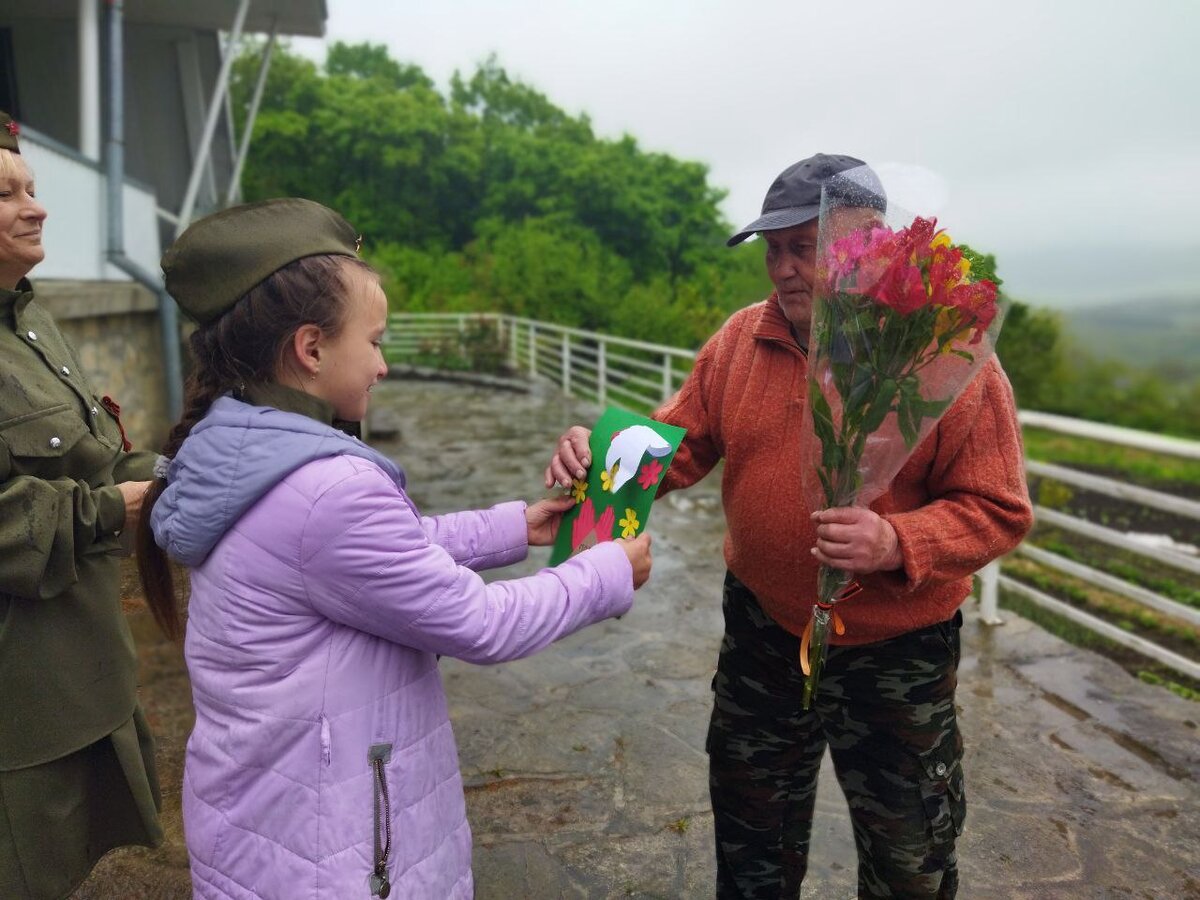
[
  {"x": 543, "y": 519},
  {"x": 856, "y": 540},
  {"x": 572, "y": 458}
]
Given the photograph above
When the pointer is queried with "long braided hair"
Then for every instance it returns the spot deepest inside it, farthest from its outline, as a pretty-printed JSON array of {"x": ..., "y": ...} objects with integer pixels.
[{"x": 245, "y": 344}]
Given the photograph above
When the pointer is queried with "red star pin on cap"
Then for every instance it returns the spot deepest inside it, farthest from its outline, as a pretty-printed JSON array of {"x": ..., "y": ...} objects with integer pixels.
[{"x": 13, "y": 128}]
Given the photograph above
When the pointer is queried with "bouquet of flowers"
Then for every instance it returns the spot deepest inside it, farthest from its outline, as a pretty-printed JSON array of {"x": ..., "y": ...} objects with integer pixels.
[{"x": 902, "y": 320}]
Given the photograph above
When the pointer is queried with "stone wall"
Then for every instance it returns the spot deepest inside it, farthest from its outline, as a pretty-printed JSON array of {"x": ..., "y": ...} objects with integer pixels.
[{"x": 114, "y": 326}]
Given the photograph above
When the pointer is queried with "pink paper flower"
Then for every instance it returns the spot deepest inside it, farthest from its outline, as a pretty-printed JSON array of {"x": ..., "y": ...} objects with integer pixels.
[
  {"x": 587, "y": 530},
  {"x": 648, "y": 477}
]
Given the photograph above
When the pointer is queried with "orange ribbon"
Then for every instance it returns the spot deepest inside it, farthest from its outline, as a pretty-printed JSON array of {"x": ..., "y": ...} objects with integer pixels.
[{"x": 839, "y": 627}]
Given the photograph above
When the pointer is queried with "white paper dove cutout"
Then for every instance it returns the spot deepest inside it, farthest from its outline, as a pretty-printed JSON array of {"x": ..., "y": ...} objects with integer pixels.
[{"x": 628, "y": 448}]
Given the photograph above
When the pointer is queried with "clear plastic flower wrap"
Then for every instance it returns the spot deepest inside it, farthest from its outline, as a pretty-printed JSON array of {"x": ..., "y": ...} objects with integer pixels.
[{"x": 903, "y": 319}]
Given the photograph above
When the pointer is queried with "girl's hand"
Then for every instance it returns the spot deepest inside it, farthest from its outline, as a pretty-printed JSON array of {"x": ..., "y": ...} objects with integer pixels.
[
  {"x": 638, "y": 551},
  {"x": 544, "y": 517}
]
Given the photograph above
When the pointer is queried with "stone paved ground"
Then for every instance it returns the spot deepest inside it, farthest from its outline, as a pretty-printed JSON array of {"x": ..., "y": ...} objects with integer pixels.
[{"x": 584, "y": 766}]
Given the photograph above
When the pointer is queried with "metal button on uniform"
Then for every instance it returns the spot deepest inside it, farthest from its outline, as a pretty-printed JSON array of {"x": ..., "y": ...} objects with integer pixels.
[
  {"x": 32, "y": 335},
  {"x": 95, "y": 412},
  {"x": 940, "y": 769},
  {"x": 55, "y": 443},
  {"x": 65, "y": 370}
]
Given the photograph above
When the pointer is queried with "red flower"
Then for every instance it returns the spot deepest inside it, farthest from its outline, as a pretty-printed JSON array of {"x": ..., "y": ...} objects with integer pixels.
[
  {"x": 945, "y": 274},
  {"x": 978, "y": 302},
  {"x": 649, "y": 474},
  {"x": 901, "y": 288}
]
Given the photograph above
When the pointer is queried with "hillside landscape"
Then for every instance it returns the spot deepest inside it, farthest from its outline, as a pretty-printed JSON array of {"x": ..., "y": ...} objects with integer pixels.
[{"x": 1158, "y": 334}]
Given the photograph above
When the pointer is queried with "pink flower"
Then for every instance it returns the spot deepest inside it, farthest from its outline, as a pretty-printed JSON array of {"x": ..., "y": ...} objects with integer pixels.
[{"x": 648, "y": 477}]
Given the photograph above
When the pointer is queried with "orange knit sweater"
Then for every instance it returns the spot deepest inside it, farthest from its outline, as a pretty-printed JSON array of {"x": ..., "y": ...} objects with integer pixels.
[{"x": 960, "y": 501}]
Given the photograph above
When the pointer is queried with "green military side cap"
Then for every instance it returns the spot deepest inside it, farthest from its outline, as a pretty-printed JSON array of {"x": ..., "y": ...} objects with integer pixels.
[
  {"x": 9, "y": 130},
  {"x": 221, "y": 257}
]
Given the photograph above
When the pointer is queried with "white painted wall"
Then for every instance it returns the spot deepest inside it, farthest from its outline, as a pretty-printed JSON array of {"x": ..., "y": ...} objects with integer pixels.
[{"x": 73, "y": 193}]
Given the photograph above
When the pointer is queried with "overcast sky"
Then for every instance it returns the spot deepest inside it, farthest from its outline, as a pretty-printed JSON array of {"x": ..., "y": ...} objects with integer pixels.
[{"x": 1062, "y": 136}]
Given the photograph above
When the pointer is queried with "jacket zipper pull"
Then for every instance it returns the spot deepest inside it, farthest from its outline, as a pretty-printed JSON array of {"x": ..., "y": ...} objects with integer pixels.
[{"x": 380, "y": 886}]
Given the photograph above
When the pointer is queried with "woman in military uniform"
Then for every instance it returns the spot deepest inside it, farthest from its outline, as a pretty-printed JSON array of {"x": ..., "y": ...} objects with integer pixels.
[{"x": 76, "y": 756}]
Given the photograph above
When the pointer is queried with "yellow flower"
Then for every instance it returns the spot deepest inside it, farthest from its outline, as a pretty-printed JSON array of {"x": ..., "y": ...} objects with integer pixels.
[
  {"x": 947, "y": 323},
  {"x": 578, "y": 490},
  {"x": 940, "y": 240},
  {"x": 607, "y": 476},
  {"x": 629, "y": 524}
]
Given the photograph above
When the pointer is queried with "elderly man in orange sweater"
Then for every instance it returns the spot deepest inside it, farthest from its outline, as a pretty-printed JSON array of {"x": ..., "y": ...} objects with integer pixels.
[{"x": 885, "y": 703}]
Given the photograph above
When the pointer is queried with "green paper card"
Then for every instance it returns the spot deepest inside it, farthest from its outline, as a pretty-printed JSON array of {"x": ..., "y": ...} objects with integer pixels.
[{"x": 630, "y": 455}]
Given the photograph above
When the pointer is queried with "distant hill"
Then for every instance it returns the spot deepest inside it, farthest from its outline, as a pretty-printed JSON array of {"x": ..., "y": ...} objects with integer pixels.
[{"x": 1159, "y": 334}]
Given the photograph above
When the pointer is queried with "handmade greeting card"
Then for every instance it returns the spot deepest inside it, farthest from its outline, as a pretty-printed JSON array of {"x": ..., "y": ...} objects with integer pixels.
[{"x": 630, "y": 454}]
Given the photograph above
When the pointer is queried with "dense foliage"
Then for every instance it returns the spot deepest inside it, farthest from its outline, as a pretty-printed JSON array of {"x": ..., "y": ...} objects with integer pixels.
[
  {"x": 492, "y": 198},
  {"x": 489, "y": 197}
]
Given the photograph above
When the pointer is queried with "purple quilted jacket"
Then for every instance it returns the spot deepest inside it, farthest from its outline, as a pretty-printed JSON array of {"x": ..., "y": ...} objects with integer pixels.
[{"x": 322, "y": 763}]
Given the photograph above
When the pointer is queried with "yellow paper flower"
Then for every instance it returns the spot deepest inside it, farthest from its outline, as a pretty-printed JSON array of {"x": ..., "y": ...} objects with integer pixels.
[
  {"x": 607, "y": 476},
  {"x": 629, "y": 524},
  {"x": 578, "y": 490}
]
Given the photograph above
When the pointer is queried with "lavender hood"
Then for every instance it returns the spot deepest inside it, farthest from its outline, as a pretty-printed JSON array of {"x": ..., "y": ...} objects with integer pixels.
[{"x": 231, "y": 458}]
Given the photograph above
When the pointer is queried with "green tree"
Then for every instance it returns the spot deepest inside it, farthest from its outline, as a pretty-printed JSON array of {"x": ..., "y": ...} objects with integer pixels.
[
  {"x": 372, "y": 61},
  {"x": 1031, "y": 349}
]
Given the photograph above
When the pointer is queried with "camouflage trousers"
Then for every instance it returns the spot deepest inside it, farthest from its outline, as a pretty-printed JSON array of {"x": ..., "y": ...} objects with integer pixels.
[{"x": 886, "y": 712}]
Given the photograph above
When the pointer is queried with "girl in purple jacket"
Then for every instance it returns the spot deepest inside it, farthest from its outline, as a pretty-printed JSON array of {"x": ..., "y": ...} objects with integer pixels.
[{"x": 322, "y": 763}]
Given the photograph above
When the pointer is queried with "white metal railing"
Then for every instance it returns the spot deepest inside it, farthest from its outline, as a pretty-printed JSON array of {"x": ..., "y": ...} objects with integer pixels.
[
  {"x": 600, "y": 367},
  {"x": 992, "y": 578},
  {"x": 640, "y": 376}
]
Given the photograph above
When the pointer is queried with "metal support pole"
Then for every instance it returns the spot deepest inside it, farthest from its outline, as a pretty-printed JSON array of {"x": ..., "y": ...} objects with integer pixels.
[
  {"x": 210, "y": 123},
  {"x": 512, "y": 341},
  {"x": 666, "y": 387},
  {"x": 235, "y": 180},
  {"x": 89, "y": 78},
  {"x": 989, "y": 593},
  {"x": 115, "y": 184}
]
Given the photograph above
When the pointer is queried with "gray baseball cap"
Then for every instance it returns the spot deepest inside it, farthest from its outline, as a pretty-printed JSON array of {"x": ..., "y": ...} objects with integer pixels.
[{"x": 795, "y": 196}]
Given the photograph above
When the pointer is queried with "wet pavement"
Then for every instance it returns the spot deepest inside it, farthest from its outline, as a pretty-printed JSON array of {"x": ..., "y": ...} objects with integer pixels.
[{"x": 584, "y": 766}]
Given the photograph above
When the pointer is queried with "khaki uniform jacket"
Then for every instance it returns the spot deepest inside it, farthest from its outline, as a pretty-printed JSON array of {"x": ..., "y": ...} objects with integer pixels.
[{"x": 67, "y": 663}]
